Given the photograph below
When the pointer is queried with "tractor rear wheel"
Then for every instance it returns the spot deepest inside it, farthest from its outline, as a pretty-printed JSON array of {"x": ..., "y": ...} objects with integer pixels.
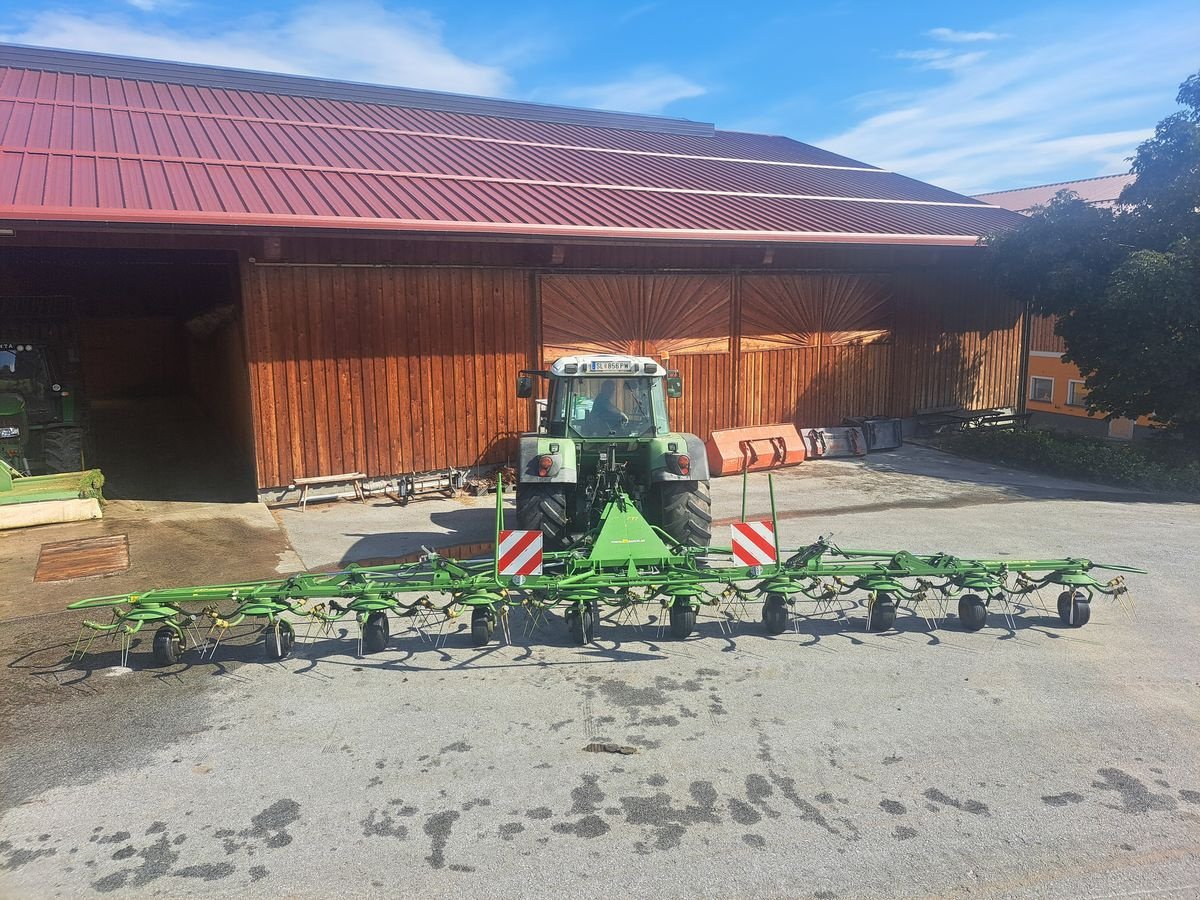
[
  {"x": 543, "y": 507},
  {"x": 62, "y": 449},
  {"x": 685, "y": 511}
]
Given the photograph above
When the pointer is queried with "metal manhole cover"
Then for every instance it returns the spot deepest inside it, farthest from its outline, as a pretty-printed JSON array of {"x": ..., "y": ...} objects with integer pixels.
[{"x": 64, "y": 560}]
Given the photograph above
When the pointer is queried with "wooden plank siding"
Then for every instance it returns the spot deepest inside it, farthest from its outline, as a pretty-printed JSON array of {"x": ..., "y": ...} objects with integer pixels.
[
  {"x": 384, "y": 370},
  {"x": 387, "y": 367},
  {"x": 1042, "y": 337}
]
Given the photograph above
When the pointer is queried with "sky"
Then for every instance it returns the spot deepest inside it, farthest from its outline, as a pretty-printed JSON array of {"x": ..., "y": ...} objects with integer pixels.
[{"x": 972, "y": 97}]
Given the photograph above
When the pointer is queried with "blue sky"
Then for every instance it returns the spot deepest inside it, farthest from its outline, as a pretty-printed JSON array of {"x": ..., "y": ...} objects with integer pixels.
[{"x": 974, "y": 97}]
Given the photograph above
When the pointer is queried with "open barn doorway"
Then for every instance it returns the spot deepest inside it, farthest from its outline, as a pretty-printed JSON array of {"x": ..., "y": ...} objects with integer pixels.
[{"x": 147, "y": 346}]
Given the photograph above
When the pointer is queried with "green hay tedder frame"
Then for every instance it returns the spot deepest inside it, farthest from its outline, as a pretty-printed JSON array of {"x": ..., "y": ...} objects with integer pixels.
[{"x": 624, "y": 563}]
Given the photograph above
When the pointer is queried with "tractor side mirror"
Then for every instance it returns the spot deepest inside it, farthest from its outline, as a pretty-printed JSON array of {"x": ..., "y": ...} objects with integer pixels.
[
  {"x": 524, "y": 386},
  {"x": 674, "y": 386}
]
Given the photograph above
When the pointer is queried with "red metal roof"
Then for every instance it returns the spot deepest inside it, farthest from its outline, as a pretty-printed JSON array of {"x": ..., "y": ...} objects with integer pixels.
[
  {"x": 83, "y": 141},
  {"x": 1102, "y": 191}
]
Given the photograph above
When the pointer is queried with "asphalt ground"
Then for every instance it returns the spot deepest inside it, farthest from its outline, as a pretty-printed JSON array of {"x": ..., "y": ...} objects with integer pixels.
[{"x": 1032, "y": 760}]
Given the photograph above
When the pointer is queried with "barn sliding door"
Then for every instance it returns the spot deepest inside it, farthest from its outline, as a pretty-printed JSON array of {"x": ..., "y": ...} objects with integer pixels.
[{"x": 682, "y": 320}]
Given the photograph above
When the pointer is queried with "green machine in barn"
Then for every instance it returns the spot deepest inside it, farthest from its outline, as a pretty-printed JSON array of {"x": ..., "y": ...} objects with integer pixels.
[
  {"x": 41, "y": 443},
  {"x": 604, "y": 427}
]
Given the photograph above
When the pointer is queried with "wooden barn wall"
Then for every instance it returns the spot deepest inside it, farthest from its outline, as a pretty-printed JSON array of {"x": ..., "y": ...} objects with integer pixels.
[
  {"x": 362, "y": 361},
  {"x": 1042, "y": 337},
  {"x": 384, "y": 370}
]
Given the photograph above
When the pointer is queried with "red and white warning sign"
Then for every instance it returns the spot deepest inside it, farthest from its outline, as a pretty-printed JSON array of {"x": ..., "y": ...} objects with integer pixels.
[
  {"x": 753, "y": 543},
  {"x": 520, "y": 552}
]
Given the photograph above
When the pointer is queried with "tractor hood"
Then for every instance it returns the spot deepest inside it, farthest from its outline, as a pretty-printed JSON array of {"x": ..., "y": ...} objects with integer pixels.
[{"x": 11, "y": 404}]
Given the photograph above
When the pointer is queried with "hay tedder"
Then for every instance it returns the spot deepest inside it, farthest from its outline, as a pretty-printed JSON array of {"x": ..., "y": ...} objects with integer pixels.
[
  {"x": 614, "y": 509},
  {"x": 622, "y": 563}
]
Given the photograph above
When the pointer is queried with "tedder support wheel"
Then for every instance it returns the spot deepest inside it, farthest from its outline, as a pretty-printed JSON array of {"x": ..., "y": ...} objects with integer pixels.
[
  {"x": 685, "y": 511},
  {"x": 167, "y": 646},
  {"x": 683, "y": 620},
  {"x": 775, "y": 613},
  {"x": 375, "y": 632},
  {"x": 482, "y": 624},
  {"x": 972, "y": 612},
  {"x": 1074, "y": 609},
  {"x": 881, "y": 613},
  {"x": 582, "y": 624},
  {"x": 543, "y": 507},
  {"x": 279, "y": 639},
  {"x": 63, "y": 449}
]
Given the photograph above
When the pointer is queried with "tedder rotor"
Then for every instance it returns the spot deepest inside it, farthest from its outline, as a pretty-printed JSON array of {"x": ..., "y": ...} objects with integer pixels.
[{"x": 619, "y": 563}]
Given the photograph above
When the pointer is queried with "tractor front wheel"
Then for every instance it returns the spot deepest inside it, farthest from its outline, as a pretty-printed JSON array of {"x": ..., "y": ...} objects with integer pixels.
[
  {"x": 543, "y": 507},
  {"x": 63, "y": 449},
  {"x": 685, "y": 511}
]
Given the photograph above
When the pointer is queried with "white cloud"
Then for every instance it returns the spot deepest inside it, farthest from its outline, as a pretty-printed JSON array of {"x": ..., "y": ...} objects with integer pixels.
[
  {"x": 645, "y": 90},
  {"x": 1069, "y": 107},
  {"x": 963, "y": 37},
  {"x": 360, "y": 42},
  {"x": 941, "y": 59}
]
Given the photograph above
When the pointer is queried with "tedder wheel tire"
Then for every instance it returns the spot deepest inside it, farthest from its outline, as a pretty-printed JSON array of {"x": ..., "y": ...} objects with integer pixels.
[
  {"x": 63, "y": 449},
  {"x": 972, "y": 612},
  {"x": 1074, "y": 609},
  {"x": 543, "y": 507},
  {"x": 579, "y": 622},
  {"x": 376, "y": 632},
  {"x": 279, "y": 639},
  {"x": 775, "y": 613},
  {"x": 881, "y": 615},
  {"x": 167, "y": 646},
  {"x": 683, "y": 620},
  {"x": 482, "y": 624},
  {"x": 685, "y": 511}
]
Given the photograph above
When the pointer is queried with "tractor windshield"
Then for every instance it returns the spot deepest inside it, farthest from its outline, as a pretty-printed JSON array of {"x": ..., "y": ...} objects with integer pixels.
[
  {"x": 610, "y": 407},
  {"x": 21, "y": 362}
]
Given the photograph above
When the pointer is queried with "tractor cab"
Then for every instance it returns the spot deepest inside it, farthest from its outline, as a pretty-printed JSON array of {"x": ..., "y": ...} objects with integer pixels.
[
  {"x": 39, "y": 422},
  {"x": 605, "y": 430},
  {"x": 604, "y": 397}
]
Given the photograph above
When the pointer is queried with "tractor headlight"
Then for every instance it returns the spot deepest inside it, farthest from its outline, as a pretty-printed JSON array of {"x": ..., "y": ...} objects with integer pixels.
[{"x": 9, "y": 431}]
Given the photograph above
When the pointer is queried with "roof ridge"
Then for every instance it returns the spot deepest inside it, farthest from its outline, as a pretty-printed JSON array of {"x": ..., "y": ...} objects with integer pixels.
[
  {"x": 1034, "y": 187},
  {"x": 86, "y": 62}
]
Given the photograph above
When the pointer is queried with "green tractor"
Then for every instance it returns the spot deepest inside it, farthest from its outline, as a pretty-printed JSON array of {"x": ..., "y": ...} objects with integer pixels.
[
  {"x": 40, "y": 422},
  {"x": 605, "y": 429}
]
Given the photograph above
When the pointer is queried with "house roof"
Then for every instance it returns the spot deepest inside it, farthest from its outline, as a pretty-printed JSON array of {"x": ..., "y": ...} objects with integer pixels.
[
  {"x": 1102, "y": 191},
  {"x": 93, "y": 138}
]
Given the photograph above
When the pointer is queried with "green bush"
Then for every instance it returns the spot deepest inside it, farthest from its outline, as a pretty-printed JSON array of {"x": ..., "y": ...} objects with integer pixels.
[{"x": 1162, "y": 464}]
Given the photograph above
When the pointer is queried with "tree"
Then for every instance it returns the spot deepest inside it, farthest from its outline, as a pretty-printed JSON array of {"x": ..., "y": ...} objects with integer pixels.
[{"x": 1124, "y": 284}]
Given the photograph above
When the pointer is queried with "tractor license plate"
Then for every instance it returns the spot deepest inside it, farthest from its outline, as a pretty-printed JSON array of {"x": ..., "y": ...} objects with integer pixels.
[{"x": 611, "y": 365}]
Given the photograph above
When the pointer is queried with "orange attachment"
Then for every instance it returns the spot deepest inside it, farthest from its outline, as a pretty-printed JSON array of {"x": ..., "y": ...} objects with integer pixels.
[{"x": 754, "y": 448}]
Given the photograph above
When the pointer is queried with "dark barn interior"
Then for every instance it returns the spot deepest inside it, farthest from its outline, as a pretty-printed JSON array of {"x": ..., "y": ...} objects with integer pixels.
[{"x": 151, "y": 342}]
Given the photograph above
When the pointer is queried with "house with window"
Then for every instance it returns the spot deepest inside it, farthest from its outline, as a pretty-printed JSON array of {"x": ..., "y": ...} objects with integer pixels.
[{"x": 1055, "y": 388}]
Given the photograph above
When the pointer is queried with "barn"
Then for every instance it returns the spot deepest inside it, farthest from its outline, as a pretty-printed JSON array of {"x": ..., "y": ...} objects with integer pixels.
[{"x": 262, "y": 277}]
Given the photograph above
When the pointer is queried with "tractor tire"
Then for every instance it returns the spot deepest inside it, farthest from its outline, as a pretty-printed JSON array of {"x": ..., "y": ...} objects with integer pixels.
[
  {"x": 543, "y": 507},
  {"x": 685, "y": 511},
  {"x": 62, "y": 449},
  {"x": 375, "y": 632},
  {"x": 167, "y": 646},
  {"x": 279, "y": 639}
]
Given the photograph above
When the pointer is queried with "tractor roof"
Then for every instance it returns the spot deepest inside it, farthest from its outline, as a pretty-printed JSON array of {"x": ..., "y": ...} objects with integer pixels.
[{"x": 601, "y": 364}]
